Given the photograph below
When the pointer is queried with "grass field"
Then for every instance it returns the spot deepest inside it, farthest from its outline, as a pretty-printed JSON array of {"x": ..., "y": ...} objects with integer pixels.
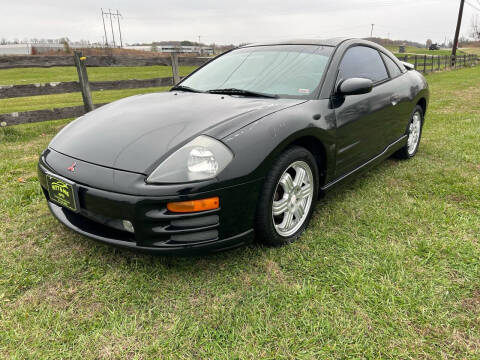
[
  {"x": 472, "y": 50},
  {"x": 389, "y": 267},
  {"x": 424, "y": 51},
  {"x": 60, "y": 74},
  {"x": 67, "y": 73}
]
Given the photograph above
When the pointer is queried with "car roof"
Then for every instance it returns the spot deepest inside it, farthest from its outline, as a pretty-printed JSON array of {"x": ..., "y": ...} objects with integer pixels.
[{"x": 325, "y": 42}]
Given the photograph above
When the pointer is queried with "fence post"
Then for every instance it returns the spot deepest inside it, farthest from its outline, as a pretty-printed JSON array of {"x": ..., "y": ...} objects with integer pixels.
[
  {"x": 416, "y": 61},
  {"x": 83, "y": 80},
  {"x": 176, "y": 76},
  {"x": 438, "y": 66}
]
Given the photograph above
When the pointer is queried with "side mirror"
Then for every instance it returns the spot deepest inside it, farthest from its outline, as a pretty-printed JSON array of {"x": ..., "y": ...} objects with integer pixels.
[{"x": 355, "y": 86}]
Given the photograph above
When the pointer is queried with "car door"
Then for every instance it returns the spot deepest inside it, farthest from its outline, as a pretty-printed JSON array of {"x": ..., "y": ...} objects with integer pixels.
[
  {"x": 399, "y": 91},
  {"x": 360, "y": 119}
]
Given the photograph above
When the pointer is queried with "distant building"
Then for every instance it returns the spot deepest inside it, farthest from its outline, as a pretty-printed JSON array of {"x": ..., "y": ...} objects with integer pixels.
[
  {"x": 40, "y": 48},
  {"x": 15, "y": 49},
  {"x": 30, "y": 49},
  {"x": 202, "y": 50}
]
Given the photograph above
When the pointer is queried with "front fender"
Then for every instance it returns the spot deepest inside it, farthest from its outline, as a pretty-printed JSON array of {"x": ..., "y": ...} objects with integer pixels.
[{"x": 257, "y": 145}]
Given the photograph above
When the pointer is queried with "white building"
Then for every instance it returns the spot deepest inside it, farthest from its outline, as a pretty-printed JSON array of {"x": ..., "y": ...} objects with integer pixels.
[
  {"x": 39, "y": 48},
  {"x": 173, "y": 48},
  {"x": 16, "y": 49},
  {"x": 29, "y": 49}
]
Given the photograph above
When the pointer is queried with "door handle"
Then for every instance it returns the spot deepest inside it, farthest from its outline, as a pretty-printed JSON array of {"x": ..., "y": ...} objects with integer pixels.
[{"x": 394, "y": 100}]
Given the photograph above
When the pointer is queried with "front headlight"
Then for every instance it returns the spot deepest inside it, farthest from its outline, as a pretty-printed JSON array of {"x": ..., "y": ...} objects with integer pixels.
[{"x": 202, "y": 158}]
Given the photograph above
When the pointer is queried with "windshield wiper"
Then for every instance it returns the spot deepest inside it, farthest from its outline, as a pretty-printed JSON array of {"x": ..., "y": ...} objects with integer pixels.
[
  {"x": 185, "y": 88},
  {"x": 234, "y": 91}
]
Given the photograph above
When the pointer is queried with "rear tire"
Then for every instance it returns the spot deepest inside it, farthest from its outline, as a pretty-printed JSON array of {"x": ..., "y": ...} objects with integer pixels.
[
  {"x": 288, "y": 197},
  {"x": 414, "y": 133}
]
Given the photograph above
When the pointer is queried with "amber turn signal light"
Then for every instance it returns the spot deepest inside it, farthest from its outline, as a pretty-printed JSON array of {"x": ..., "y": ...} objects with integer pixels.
[{"x": 194, "y": 205}]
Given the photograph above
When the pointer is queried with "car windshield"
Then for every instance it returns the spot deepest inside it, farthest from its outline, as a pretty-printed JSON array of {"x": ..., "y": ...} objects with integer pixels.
[{"x": 279, "y": 70}]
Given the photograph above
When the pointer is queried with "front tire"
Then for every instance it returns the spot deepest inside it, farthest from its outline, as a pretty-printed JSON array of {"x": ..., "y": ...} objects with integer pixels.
[
  {"x": 288, "y": 198},
  {"x": 414, "y": 133}
]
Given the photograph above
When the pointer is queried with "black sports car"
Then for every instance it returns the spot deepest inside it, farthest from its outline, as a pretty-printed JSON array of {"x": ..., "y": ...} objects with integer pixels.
[{"x": 243, "y": 146}]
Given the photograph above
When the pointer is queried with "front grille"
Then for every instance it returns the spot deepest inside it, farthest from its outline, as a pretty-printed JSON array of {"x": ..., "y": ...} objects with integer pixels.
[
  {"x": 104, "y": 220},
  {"x": 96, "y": 223},
  {"x": 159, "y": 227}
]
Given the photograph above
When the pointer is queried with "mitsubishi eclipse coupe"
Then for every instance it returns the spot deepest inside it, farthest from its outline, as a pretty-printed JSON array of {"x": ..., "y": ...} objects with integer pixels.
[{"x": 240, "y": 149}]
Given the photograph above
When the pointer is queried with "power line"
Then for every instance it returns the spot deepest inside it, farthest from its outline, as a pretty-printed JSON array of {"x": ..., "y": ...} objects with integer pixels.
[
  {"x": 111, "y": 25},
  {"x": 473, "y": 6},
  {"x": 112, "y": 15},
  {"x": 104, "y": 28},
  {"x": 119, "y": 30}
]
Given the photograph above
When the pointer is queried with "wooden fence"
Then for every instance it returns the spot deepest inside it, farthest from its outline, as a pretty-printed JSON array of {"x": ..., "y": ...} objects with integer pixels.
[
  {"x": 430, "y": 63},
  {"x": 8, "y": 62},
  {"x": 423, "y": 63},
  {"x": 83, "y": 85}
]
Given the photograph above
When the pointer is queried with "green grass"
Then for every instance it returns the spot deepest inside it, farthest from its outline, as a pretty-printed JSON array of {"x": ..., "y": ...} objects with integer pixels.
[
  {"x": 475, "y": 51},
  {"x": 62, "y": 74},
  {"x": 72, "y": 99},
  {"x": 388, "y": 268},
  {"x": 422, "y": 51}
]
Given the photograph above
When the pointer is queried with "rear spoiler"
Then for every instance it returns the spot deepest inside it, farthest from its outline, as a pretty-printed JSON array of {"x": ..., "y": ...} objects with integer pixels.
[{"x": 408, "y": 66}]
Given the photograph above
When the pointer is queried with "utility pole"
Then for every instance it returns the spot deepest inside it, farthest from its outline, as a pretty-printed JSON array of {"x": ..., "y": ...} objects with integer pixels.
[
  {"x": 371, "y": 31},
  {"x": 119, "y": 30},
  {"x": 111, "y": 25},
  {"x": 457, "y": 31},
  {"x": 104, "y": 28},
  {"x": 199, "y": 39}
]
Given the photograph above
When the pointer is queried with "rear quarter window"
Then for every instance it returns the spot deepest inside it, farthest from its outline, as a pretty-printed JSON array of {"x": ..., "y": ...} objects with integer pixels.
[{"x": 393, "y": 69}]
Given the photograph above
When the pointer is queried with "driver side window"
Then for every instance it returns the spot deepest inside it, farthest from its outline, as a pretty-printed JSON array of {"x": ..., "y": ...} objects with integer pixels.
[{"x": 362, "y": 62}]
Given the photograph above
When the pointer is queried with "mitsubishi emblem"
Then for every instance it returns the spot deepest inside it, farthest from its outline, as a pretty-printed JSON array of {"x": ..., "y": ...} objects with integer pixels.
[{"x": 72, "y": 167}]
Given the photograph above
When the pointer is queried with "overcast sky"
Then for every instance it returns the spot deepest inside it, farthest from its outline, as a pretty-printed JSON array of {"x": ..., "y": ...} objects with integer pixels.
[{"x": 226, "y": 21}]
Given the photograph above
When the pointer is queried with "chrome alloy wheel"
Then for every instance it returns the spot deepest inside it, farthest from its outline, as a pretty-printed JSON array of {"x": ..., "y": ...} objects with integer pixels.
[
  {"x": 292, "y": 198},
  {"x": 414, "y": 133}
]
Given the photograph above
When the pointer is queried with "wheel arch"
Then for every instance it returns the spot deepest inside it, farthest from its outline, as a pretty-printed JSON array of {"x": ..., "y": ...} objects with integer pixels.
[
  {"x": 317, "y": 148},
  {"x": 422, "y": 102},
  {"x": 315, "y": 144}
]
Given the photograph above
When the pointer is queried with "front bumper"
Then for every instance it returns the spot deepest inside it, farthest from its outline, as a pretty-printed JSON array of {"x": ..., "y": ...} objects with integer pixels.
[{"x": 156, "y": 230}]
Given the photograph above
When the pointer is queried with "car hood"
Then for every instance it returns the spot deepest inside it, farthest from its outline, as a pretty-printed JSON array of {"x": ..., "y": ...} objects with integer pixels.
[{"x": 132, "y": 134}]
